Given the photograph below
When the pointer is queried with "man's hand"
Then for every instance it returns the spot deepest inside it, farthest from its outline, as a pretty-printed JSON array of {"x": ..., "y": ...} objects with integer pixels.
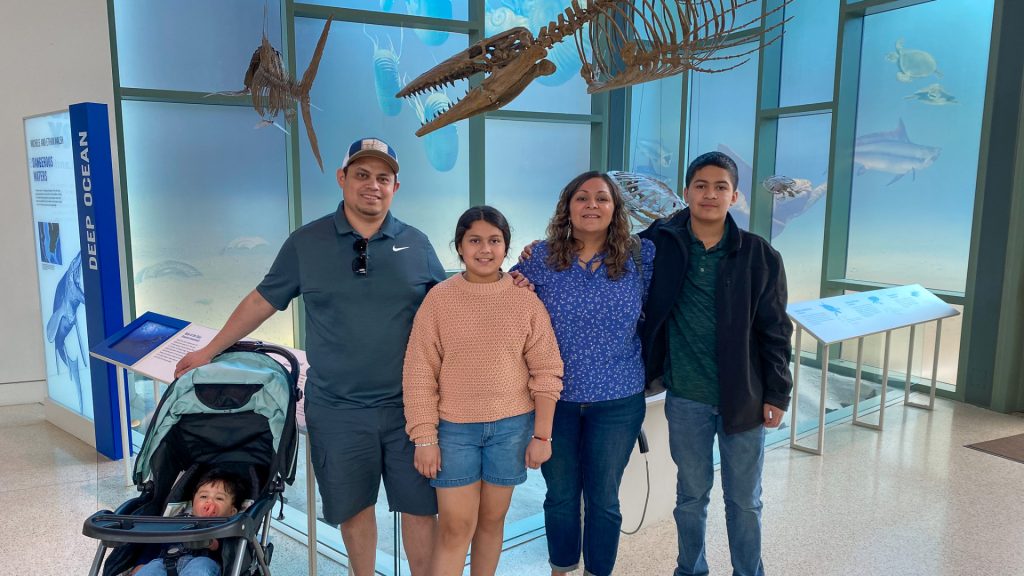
[
  {"x": 427, "y": 460},
  {"x": 520, "y": 281},
  {"x": 527, "y": 251},
  {"x": 193, "y": 359},
  {"x": 772, "y": 416},
  {"x": 537, "y": 453}
]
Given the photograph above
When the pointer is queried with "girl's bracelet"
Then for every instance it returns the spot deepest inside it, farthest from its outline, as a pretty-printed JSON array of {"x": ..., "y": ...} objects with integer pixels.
[
  {"x": 541, "y": 438},
  {"x": 424, "y": 444}
]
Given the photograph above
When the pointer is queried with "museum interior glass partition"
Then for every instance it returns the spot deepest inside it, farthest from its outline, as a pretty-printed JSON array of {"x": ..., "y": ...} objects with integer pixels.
[
  {"x": 871, "y": 111},
  {"x": 211, "y": 191},
  {"x": 874, "y": 125}
]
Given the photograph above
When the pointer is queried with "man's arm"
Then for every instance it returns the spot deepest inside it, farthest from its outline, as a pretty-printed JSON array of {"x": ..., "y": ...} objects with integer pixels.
[{"x": 250, "y": 313}]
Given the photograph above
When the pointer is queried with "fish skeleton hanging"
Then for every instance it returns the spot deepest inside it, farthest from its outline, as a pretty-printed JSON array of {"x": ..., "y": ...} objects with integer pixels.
[
  {"x": 273, "y": 91},
  {"x": 647, "y": 199},
  {"x": 632, "y": 41}
]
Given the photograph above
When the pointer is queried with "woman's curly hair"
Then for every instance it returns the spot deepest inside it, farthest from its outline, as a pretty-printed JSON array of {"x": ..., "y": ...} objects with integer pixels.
[{"x": 563, "y": 249}]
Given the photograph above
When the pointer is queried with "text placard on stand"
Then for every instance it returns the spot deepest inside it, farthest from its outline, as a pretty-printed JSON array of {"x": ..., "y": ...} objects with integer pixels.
[{"x": 839, "y": 318}]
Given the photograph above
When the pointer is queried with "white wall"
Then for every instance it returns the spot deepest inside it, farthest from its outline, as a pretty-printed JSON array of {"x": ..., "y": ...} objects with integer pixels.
[{"x": 55, "y": 53}]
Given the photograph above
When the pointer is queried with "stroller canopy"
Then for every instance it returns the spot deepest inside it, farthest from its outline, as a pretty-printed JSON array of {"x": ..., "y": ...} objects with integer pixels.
[{"x": 240, "y": 408}]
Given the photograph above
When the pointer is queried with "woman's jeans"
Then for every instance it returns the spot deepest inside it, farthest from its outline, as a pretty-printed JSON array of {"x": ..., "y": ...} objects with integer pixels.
[
  {"x": 591, "y": 446},
  {"x": 692, "y": 427}
]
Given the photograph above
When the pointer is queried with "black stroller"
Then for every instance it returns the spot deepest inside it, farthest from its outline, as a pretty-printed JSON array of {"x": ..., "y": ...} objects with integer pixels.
[{"x": 237, "y": 414}]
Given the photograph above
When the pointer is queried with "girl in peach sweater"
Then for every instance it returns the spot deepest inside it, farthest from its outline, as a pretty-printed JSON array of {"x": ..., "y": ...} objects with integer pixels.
[{"x": 481, "y": 378}]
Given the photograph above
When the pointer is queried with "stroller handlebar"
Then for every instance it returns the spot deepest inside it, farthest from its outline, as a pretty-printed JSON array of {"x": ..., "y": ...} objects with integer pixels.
[{"x": 115, "y": 529}]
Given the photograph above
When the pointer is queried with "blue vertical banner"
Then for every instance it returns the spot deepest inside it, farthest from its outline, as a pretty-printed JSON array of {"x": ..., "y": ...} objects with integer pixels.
[{"x": 101, "y": 267}]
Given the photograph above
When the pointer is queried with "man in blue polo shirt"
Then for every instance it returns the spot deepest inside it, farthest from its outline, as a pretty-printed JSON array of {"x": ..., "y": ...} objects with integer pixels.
[{"x": 362, "y": 274}]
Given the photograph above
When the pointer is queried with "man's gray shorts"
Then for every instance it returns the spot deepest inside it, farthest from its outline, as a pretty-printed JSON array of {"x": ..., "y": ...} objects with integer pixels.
[{"x": 352, "y": 449}]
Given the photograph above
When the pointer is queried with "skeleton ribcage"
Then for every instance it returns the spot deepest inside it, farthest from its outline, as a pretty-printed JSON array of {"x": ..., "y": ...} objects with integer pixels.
[{"x": 641, "y": 40}]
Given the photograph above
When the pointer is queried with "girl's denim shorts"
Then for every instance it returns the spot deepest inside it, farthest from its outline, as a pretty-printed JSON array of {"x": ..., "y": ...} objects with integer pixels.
[{"x": 494, "y": 452}]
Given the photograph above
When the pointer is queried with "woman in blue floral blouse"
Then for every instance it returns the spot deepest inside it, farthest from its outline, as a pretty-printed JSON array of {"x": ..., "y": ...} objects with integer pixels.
[{"x": 586, "y": 275}]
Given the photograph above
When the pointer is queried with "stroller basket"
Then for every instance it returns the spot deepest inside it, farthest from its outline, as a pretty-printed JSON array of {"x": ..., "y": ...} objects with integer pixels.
[{"x": 237, "y": 414}]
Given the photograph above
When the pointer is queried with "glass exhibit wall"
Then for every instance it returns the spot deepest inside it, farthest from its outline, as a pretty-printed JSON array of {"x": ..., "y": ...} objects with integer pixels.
[
  {"x": 722, "y": 117},
  {"x": 211, "y": 191},
  {"x": 917, "y": 141},
  {"x": 362, "y": 67},
  {"x": 915, "y": 159},
  {"x": 798, "y": 201},
  {"x": 655, "y": 123},
  {"x": 776, "y": 116},
  {"x": 207, "y": 213},
  {"x": 524, "y": 182}
]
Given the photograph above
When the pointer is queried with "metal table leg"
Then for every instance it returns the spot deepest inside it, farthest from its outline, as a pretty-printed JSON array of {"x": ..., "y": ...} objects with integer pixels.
[{"x": 935, "y": 372}]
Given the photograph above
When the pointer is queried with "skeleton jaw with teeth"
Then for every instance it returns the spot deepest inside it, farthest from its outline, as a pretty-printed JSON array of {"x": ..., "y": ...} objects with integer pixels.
[{"x": 511, "y": 59}]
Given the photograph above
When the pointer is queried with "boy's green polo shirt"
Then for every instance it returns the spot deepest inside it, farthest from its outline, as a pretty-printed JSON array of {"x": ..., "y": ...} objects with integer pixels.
[
  {"x": 692, "y": 354},
  {"x": 357, "y": 326}
]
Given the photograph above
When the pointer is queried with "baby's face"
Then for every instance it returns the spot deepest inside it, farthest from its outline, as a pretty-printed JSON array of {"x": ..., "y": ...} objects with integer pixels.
[{"x": 212, "y": 500}]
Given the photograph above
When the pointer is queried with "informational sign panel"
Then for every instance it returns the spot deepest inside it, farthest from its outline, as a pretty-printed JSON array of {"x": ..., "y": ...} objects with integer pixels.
[
  {"x": 152, "y": 345},
  {"x": 849, "y": 316},
  {"x": 100, "y": 261},
  {"x": 51, "y": 173}
]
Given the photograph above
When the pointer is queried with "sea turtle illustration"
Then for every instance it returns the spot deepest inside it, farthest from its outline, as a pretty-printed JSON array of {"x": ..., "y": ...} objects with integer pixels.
[{"x": 912, "y": 63}]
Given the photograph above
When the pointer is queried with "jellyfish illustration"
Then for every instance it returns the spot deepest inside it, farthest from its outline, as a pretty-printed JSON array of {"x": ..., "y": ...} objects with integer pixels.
[
  {"x": 385, "y": 74},
  {"x": 564, "y": 55},
  {"x": 430, "y": 9},
  {"x": 442, "y": 146}
]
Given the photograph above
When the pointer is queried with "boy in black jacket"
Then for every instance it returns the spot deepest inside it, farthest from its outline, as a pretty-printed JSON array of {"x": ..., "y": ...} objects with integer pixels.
[{"x": 717, "y": 335}]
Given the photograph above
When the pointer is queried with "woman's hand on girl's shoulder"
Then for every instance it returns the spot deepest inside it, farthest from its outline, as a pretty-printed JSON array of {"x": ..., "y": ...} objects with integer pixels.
[
  {"x": 537, "y": 453},
  {"x": 520, "y": 281},
  {"x": 527, "y": 251}
]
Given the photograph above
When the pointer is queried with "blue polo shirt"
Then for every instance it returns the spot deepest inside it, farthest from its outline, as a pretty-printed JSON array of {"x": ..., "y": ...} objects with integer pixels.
[{"x": 357, "y": 326}]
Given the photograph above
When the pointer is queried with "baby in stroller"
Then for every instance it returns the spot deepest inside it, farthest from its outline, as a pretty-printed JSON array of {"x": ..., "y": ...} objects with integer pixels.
[
  {"x": 235, "y": 415},
  {"x": 218, "y": 493}
]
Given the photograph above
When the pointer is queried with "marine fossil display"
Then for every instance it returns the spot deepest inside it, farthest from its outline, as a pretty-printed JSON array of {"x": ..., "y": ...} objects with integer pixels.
[
  {"x": 632, "y": 41},
  {"x": 274, "y": 91},
  {"x": 647, "y": 199}
]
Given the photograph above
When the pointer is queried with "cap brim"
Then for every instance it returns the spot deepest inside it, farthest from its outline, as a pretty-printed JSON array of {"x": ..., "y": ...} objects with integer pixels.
[{"x": 387, "y": 158}]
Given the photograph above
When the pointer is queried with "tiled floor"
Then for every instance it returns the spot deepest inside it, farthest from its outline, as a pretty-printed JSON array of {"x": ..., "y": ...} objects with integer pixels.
[{"x": 907, "y": 501}]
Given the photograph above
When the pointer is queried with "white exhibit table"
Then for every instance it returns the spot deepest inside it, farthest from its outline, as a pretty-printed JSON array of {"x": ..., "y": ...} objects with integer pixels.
[{"x": 840, "y": 318}]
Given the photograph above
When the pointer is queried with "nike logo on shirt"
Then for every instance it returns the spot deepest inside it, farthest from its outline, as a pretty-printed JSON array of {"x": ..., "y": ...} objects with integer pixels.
[{"x": 399, "y": 249}]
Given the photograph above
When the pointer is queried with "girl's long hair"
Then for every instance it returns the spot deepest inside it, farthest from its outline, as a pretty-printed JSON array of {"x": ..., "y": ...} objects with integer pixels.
[{"x": 563, "y": 249}]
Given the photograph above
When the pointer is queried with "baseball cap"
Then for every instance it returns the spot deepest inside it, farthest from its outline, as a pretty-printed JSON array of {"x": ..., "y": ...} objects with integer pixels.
[{"x": 371, "y": 147}]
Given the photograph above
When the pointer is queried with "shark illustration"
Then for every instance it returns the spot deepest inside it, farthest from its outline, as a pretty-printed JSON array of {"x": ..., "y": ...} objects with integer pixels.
[
  {"x": 66, "y": 299},
  {"x": 892, "y": 152}
]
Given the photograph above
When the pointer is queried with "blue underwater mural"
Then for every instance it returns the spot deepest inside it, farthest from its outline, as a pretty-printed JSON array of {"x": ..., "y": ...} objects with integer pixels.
[
  {"x": 385, "y": 74},
  {"x": 430, "y": 9},
  {"x": 442, "y": 146}
]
